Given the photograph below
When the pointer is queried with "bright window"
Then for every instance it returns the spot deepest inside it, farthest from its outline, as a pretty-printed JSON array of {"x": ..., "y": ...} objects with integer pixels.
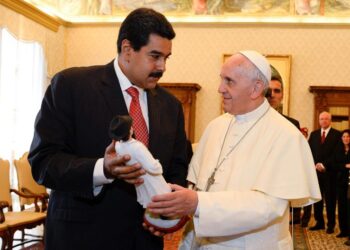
[{"x": 22, "y": 82}]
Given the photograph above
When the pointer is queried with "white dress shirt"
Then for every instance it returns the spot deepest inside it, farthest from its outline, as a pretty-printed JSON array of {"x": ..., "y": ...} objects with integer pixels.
[{"x": 99, "y": 177}]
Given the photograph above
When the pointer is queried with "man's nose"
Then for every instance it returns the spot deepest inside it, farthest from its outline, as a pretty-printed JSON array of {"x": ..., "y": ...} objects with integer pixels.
[
  {"x": 221, "y": 88},
  {"x": 161, "y": 64}
]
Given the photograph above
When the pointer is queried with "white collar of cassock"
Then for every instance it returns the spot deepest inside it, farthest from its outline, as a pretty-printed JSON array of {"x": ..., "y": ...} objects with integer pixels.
[{"x": 253, "y": 115}]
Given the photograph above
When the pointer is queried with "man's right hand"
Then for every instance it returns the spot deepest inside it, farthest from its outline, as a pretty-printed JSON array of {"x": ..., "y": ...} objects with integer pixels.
[{"x": 114, "y": 167}]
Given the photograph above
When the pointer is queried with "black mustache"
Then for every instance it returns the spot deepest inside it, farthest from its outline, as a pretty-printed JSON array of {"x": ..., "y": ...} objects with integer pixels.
[{"x": 157, "y": 74}]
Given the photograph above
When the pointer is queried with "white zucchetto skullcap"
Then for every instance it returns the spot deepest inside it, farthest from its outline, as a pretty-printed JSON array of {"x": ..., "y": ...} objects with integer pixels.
[{"x": 259, "y": 61}]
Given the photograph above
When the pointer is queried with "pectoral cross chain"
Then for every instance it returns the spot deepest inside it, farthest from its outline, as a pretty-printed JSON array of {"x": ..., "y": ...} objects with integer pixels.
[{"x": 211, "y": 180}]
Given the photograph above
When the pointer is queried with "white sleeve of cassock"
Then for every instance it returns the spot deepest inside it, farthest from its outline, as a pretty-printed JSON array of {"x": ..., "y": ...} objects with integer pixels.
[{"x": 235, "y": 212}]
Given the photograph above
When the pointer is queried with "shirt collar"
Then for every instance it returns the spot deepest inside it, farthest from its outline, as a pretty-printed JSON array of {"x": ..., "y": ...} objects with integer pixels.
[
  {"x": 326, "y": 130},
  {"x": 123, "y": 80},
  {"x": 253, "y": 115}
]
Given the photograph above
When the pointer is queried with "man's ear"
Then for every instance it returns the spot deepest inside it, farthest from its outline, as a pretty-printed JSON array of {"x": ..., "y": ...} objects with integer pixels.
[
  {"x": 126, "y": 48},
  {"x": 258, "y": 89}
]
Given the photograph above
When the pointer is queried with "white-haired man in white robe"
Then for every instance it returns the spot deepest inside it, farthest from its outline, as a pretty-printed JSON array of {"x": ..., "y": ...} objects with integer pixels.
[{"x": 250, "y": 165}]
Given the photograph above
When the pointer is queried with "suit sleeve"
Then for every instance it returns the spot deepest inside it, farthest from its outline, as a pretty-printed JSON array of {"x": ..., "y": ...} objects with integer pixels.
[
  {"x": 52, "y": 154},
  {"x": 336, "y": 142},
  {"x": 313, "y": 146},
  {"x": 339, "y": 158}
]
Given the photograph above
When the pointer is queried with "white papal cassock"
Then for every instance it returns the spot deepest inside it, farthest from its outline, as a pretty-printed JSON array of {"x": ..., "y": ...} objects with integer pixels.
[{"x": 268, "y": 166}]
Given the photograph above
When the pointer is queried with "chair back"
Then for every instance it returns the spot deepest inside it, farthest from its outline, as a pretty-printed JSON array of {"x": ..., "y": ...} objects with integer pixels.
[
  {"x": 5, "y": 182},
  {"x": 26, "y": 180}
]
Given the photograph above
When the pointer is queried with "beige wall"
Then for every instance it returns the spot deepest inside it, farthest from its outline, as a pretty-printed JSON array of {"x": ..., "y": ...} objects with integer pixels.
[
  {"x": 320, "y": 56},
  {"x": 26, "y": 29}
]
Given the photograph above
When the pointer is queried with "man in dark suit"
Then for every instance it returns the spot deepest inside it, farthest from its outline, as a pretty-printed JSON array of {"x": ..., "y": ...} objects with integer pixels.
[
  {"x": 93, "y": 199},
  {"x": 323, "y": 142}
]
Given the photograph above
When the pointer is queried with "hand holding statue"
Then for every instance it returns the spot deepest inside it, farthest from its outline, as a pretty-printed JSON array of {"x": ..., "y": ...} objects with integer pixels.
[
  {"x": 180, "y": 202},
  {"x": 115, "y": 167}
]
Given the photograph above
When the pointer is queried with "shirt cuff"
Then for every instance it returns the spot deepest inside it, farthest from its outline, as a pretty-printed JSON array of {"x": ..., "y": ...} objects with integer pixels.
[
  {"x": 196, "y": 213},
  {"x": 99, "y": 176}
]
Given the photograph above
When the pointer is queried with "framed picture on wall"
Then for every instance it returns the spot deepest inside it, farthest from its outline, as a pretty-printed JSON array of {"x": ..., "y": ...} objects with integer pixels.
[{"x": 282, "y": 63}]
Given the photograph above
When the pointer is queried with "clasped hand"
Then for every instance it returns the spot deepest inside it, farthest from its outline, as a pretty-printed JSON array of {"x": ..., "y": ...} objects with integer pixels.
[
  {"x": 180, "y": 202},
  {"x": 114, "y": 167},
  {"x": 319, "y": 167}
]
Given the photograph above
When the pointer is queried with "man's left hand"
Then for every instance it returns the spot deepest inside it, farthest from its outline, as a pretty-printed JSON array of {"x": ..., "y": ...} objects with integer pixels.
[{"x": 180, "y": 202}]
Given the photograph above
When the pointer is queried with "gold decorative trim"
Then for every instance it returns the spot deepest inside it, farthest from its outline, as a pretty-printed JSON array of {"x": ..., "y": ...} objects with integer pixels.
[
  {"x": 52, "y": 19},
  {"x": 33, "y": 13},
  {"x": 206, "y": 19}
]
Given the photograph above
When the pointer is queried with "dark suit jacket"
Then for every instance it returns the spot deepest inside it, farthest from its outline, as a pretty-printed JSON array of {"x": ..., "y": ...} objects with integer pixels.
[
  {"x": 292, "y": 120},
  {"x": 71, "y": 133},
  {"x": 341, "y": 158},
  {"x": 323, "y": 153}
]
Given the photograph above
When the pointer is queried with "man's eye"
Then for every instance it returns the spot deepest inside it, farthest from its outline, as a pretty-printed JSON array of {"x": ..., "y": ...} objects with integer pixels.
[
  {"x": 277, "y": 91},
  {"x": 156, "y": 57},
  {"x": 228, "y": 82}
]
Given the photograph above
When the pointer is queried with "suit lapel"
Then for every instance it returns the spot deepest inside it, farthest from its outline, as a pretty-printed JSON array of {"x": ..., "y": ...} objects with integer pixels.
[
  {"x": 328, "y": 136},
  {"x": 154, "y": 106},
  {"x": 110, "y": 89}
]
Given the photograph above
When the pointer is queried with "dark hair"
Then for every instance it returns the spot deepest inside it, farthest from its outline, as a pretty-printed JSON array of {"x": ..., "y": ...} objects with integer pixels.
[
  {"x": 276, "y": 76},
  {"x": 342, "y": 133},
  {"x": 119, "y": 127},
  {"x": 140, "y": 24},
  {"x": 345, "y": 131}
]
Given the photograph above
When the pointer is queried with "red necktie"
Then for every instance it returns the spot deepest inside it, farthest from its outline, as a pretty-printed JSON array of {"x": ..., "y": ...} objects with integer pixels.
[
  {"x": 323, "y": 137},
  {"x": 139, "y": 124}
]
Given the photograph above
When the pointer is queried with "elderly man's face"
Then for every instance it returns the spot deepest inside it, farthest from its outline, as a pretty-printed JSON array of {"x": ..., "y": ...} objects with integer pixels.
[
  {"x": 276, "y": 94},
  {"x": 325, "y": 120},
  {"x": 235, "y": 87}
]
